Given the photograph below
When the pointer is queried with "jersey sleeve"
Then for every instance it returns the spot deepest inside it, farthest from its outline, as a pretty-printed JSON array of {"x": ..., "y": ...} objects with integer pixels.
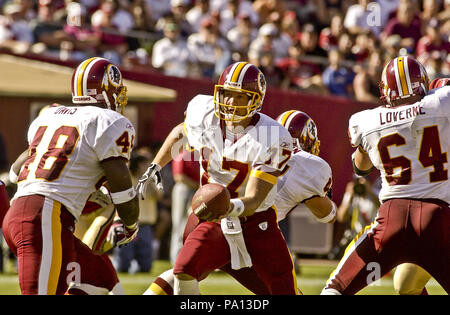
[
  {"x": 275, "y": 156},
  {"x": 320, "y": 183},
  {"x": 443, "y": 99},
  {"x": 354, "y": 130},
  {"x": 114, "y": 138},
  {"x": 194, "y": 122}
]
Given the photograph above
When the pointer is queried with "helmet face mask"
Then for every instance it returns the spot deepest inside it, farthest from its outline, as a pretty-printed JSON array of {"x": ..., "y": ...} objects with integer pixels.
[
  {"x": 98, "y": 81},
  {"x": 302, "y": 129},
  {"x": 403, "y": 81},
  {"x": 239, "y": 80}
]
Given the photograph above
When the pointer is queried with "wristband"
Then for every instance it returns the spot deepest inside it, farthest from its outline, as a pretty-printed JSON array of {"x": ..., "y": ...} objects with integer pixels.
[
  {"x": 123, "y": 196},
  {"x": 13, "y": 176},
  {"x": 238, "y": 207},
  {"x": 330, "y": 216}
]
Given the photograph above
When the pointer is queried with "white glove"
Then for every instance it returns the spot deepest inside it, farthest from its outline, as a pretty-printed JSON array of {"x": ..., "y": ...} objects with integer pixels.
[
  {"x": 153, "y": 172},
  {"x": 119, "y": 234}
]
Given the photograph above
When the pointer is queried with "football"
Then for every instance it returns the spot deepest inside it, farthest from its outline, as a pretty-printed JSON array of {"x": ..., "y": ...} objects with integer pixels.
[{"x": 211, "y": 201}]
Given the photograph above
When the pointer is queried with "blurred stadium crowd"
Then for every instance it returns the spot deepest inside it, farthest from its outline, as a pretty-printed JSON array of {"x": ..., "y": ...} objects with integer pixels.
[{"x": 318, "y": 46}]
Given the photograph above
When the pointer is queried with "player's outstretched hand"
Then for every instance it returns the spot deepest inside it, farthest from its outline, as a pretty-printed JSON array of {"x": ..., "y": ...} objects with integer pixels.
[{"x": 153, "y": 173}]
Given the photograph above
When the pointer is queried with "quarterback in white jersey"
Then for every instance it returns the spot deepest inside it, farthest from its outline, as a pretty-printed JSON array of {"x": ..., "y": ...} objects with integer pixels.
[
  {"x": 407, "y": 141},
  {"x": 246, "y": 152},
  {"x": 72, "y": 151},
  {"x": 306, "y": 182}
]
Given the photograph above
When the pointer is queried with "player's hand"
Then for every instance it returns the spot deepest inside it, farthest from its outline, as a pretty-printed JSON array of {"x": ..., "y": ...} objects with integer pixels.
[
  {"x": 153, "y": 173},
  {"x": 119, "y": 234},
  {"x": 101, "y": 197}
]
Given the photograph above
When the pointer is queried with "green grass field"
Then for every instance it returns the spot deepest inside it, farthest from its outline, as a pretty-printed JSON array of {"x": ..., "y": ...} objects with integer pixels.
[{"x": 311, "y": 279}]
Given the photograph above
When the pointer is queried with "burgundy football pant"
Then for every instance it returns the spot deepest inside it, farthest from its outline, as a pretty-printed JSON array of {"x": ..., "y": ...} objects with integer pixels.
[
  {"x": 206, "y": 249},
  {"x": 406, "y": 230},
  {"x": 39, "y": 231}
]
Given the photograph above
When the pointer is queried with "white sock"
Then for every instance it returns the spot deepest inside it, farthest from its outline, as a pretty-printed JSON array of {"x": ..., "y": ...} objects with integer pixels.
[{"x": 185, "y": 287}]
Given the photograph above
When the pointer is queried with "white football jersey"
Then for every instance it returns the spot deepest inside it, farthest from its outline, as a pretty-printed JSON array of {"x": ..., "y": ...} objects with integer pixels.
[
  {"x": 308, "y": 176},
  {"x": 265, "y": 146},
  {"x": 66, "y": 147},
  {"x": 409, "y": 144}
]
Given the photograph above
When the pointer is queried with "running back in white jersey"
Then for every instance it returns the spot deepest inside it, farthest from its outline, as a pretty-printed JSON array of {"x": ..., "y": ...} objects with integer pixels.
[
  {"x": 409, "y": 145},
  {"x": 265, "y": 147},
  {"x": 307, "y": 176},
  {"x": 66, "y": 147}
]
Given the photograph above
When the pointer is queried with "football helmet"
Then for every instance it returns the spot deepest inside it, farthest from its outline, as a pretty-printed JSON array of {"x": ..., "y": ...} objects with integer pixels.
[
  {"x": 98, "y": 81},
  {"x": 402, "y": 80},
  {"x": 302, "y": 129},
  {"x": 439, "y": 82},
  {"x": 241, "y": 77}
]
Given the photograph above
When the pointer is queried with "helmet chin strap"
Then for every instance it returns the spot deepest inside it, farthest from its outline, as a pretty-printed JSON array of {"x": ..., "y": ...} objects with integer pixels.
[{"x": 108, "y": 103}]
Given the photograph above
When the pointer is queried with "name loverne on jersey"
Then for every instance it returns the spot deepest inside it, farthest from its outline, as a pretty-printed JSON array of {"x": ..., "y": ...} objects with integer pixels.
[{"x": 401, "y": 114}]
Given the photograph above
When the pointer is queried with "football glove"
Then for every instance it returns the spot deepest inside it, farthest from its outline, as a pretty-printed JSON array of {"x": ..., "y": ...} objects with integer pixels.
[
  {"x": 119, "y": 234},
  {"x": 153, "y": 173},
  {"x": 101, "y": 197}
]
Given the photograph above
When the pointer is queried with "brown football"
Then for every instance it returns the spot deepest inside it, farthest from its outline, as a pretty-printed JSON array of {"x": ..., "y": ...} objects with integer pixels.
[{"x": 211, "y": 201}]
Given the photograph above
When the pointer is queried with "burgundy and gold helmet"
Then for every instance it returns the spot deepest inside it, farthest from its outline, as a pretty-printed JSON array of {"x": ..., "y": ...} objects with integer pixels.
[
  {"x": 240, "y": 77},
  {"x": 439, "y": 82},
  {"x": 302, "y": 129},
  {"x": 98, "y": 81},
  {"x": 402, "y": 80}
]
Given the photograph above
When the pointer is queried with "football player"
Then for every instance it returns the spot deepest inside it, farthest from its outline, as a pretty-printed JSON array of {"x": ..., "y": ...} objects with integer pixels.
[
  {"x": 410, "y": 279},
  {"x": 407, "y": 141},
  {"x": 306, "y": 181},
  {"x": 72, "y": 150},
  {"x": 245, "y": 151}
]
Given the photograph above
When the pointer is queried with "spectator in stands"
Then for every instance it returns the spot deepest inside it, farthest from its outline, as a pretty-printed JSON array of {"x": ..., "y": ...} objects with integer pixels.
[
  {"x": 241, "y": 36},
  {"x": 266, "y": 7},
  {"x": 211, "y": 51},
  {"x": 49, "y": 19},
  {"x": 179, "y": 9},
  {"x": 337, "y": 78},
  {"x": 263, "y": 43},
  {"x": 430, "y": 10},
  {"x": 432, "y": 41},
  {"x": 16, "y": 34},
  {"x": 290, "y": 24},
  {"x": 326, "y": 9},
  {"x": 197, "y": 14},
  {"x": 267, "y": 65},
  {"x": 298, "y": 73},
  {"x": 155, "y": 9},
  {"x": 329, "y": 36},
  {"x": 407, "y": 24},
  {"x": 171, "y": 55},
  {"x": 367, "y": 78},
  {"x": 78, "y": 37},
  {"x": 186, "y": 174},
  {"x": 345, "y": 45},
  {"x": 112, "y": 21},
  {"x": 309, "y": 39}
]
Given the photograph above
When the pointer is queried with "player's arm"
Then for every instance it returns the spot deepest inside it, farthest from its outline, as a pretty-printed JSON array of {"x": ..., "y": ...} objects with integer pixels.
[
  {"x": 15, "y": 167},
  {"x": 323, "y": 208},
  {"x": 121, "y": 190},
  {"x": 258, "y": 186},
  {"x": 362, "y": 165},
  {"x": 256, "y": 191}
]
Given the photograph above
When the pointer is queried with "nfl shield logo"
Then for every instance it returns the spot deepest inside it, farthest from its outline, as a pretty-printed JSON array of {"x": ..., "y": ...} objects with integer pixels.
[{"x": 263, "y": 226}]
